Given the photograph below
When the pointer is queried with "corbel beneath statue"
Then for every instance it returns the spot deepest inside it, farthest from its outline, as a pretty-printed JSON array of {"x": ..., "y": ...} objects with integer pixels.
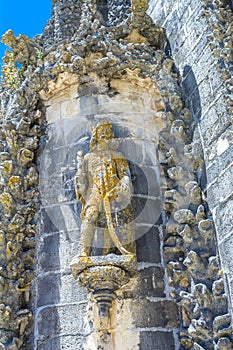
[{"x": 102, "y": 276}]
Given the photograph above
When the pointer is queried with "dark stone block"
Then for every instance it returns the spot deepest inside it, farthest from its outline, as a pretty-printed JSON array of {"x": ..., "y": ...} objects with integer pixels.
[
  {"x": 152, "y": 176},
  {"x": 147, "y": 211},
  {"x": 49, "y": 253},
  {"x": 87, "y": 89},
  {"x": 155, "y": 314},
  {"x": 151, "y": 282},
  {"x": 189, "y": 83},
  {"x": 48, "y": 322},
  {"x": 148, "y": 244},
  {"x": 145, "y": 180},
  {"x": 53, "y": 219},
  {"x": 132, "y": 150},
  {"x": 191, "y": 92},
  {"x": 48, "y": 290},
  {"x": 195, "y": 105},
  {"x": 57, "y": 249},
  {"x": 157, "y": 341},
  {"x": 49, "y": 345},
  {"x": 138, "y": 205},
  {"x": 63, "y": 319},
  {"x": 121, "y": 131},
  {"x": 47, "y": 225},
  {"x": 139, "y": 179}
]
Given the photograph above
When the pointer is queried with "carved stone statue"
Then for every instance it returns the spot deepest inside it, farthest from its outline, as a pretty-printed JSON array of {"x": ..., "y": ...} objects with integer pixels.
[{"x": 103, "y": 185}]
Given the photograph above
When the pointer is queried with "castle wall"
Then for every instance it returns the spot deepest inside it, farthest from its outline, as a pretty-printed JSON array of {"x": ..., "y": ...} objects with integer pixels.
[
  {"x": 92, "y": 68},
  {"x": 198, "y": 33},
  {"x": 144, "y": 314}
]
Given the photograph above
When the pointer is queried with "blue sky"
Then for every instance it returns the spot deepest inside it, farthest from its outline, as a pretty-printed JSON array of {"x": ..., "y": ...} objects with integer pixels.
[{"x": 23, "y": 17}]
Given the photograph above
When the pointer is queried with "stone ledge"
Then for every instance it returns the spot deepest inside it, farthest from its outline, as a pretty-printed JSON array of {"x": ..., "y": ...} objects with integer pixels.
[{"x": 125, "y": 262}]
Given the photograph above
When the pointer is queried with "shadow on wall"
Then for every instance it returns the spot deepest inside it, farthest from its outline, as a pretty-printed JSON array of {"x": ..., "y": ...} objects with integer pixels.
[
  {"x": 192, "y": 98},
  {"x": 231, "y": 3},
  {"x": 191, "y": 93}
]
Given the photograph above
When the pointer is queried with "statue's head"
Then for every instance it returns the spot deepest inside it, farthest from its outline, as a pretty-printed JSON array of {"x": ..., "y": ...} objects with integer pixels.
[{"x": 102, "y": 132}]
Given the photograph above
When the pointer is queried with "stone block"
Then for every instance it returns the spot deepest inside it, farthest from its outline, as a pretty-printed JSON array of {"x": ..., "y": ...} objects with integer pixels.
[
  {"x": 196, "y": 23},
  {"x": 56, "y": 288},
  {"x": 221, "y": 188},
  {"x": 53, "y": 113},
  {"x": 133, "y": 129},
  {"x": 56, "y": 136},
  {"x": 64, "y": 217},
  {"x": 48, "y": 290},
  {"x": 69, "y": 109},
  {"x": 155, "y": 314},
  {"x": 158, "y": 17},
  {"x": 88, "y": 105},
  {"x": 189, "y": 82},
  {"x": 132, "y": 150},
  {"x": 147, "y": 211},
  {"x": 151, "y": 282},
  {"x": 168, "y": 7},
  {"x": 223, "y": 219},
  {"x": 214, "y": 122},
  {"x": 47, "y": 225},
  {"x": 53, "y": 321},
  {"x": 51, "y": 189},
  {"x": 205, "y": 93},
  {"x": 203, "y": 64},
  {"x": 219, "y": 164},
  {"x": 145, "y": 180},
  {"x": 150, "y": 152},
  {"x": 57, "y": 250},
  {"x": 183, "y": 7},
  {"x": 66, "y": 342},
  {"x": 173, "y": 18},
  {"x": 226, "y": 254},
  {"x": 218, "y": 154},
  {"x": 139, "y": 179},
  {"x": 148, "y": 244},
  {"x": 157, "y": 341}
]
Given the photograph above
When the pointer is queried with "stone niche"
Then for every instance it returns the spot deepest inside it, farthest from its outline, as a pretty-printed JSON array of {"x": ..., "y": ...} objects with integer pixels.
[{"x": 134, "y": 107}]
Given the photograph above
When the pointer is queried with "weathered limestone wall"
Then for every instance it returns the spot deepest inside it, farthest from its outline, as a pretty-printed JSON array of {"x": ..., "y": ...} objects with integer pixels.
[
  {"x": 199, "y": 36},
  {"x": 118, "y": 71},
  {"x": 144, "y": 314}
]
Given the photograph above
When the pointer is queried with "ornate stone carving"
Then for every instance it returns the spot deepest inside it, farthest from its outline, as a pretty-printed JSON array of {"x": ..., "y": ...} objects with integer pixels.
[
  {"x": 103, "y": 185},
  {"x": 123, "y": 48}
]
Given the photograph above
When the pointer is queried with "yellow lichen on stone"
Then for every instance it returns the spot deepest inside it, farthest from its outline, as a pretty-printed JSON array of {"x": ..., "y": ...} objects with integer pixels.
[
  {"x": 136, "y": 38},
  {"x": 25, "y": 156},
  {"x": 7, "y": 201},
  {"x": 139, "y": 6},
  {"x": 14, "y": 180},
  {"x": 6, "y": 167}
]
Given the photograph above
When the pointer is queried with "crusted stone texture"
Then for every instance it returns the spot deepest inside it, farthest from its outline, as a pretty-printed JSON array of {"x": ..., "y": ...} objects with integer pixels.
[
  {"x": 200, "y": 37},
  {"x": 130, "y": 52}
]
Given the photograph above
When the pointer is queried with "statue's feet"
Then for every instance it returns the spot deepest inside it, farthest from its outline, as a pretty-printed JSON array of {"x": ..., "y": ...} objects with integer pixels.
[{"x": 85, "y": 252}]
